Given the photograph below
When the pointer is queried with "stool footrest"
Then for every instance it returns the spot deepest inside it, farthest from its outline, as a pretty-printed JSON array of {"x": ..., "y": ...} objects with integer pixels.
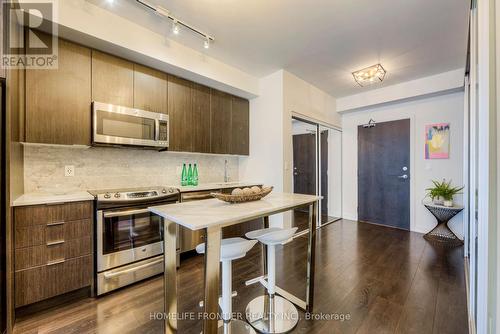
[
  {"x": 234, "y": 294},
  {"x": 256, "y": 280}
]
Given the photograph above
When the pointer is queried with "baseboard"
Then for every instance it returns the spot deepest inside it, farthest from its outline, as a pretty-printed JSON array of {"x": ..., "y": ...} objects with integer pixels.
[{"x": 44, "y": 305}]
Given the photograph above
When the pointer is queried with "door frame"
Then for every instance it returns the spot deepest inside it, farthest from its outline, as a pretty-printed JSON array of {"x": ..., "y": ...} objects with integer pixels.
[
  {"x": 413, "y": 150},
  {"x": 318, "y": 126}
]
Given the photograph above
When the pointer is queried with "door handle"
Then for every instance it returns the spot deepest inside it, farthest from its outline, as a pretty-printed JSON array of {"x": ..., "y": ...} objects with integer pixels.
[
  {"x": 112, "y": 214},
  {"x": 405, "y": 176},
  {"x": 126, "y": 271}
]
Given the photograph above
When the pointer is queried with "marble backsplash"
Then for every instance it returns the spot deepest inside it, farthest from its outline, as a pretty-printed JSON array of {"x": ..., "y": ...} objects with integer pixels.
[{"x": 106, "y": 168}]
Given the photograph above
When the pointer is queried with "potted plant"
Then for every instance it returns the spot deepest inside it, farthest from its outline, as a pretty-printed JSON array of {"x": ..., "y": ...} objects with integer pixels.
[{"x": 442, "y": 193}]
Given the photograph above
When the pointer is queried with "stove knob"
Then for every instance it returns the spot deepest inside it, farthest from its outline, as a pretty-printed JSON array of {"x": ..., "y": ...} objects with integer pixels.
[
  {"x": 164, "y": 191},
  {"x": 117, "y": 195},
  {"x": 107, "y": 195},
  {"x": 170, "y": 190}
]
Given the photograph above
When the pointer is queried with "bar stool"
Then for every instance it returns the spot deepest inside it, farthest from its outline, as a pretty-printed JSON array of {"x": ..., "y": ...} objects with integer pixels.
[
  {"x": 231, "y": 249},
  {"x": 271, "y": 313}
]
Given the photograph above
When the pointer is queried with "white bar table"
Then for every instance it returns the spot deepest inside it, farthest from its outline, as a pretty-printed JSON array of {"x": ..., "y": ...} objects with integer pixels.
[{"x": 212, "y": 215}]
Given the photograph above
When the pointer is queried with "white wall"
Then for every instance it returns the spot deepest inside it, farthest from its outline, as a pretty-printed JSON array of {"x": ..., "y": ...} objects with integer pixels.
[
  {"x": 302, "y": 98},
  {"x": 441, "y": 82},
  {"x": 436, "y": 109},
  {"x": 334, "y": 173},
  {"x": 265, "y": 162}
]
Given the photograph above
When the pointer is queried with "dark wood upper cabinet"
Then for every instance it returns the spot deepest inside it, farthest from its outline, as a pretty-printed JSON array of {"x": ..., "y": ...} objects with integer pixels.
[
  {"x": 112, "y": 80},
  {"x": 150, "y": 89},
  {"x": 240, "y": 126},
  {"x": 201, "y": 119},
  {"x": 180, "y": 108},
  {"x": 220, "y": 112},
  {"x": 58, "y": 101}
]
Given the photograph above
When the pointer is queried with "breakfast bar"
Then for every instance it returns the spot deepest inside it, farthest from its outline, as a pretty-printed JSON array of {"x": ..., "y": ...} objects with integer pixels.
[{"x": 212, "y": 215}]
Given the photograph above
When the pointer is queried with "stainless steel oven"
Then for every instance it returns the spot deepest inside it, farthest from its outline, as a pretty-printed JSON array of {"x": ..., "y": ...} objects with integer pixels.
[
  {"x": 116, "y": 125},
  {"x": 129, "y": 238}
]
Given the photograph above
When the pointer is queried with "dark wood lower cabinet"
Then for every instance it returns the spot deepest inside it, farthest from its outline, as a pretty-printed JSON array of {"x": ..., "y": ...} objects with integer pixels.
[
  {"x": 52, "y": 251},
  {"x": 41, "y": 255},
  {"x": 53, "y": 279},
  {"x": 52, "y": 233}
]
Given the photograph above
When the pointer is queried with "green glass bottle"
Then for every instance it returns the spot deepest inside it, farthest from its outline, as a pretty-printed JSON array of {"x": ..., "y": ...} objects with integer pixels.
[
  {"x": 184, "y": 178},
  {"x": 195, "y": 175},
  {"x": 190, "y": 175}
]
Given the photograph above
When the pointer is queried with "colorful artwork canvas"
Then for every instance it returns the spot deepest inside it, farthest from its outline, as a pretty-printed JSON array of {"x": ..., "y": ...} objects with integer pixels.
[{"x": 437, "y": 141}]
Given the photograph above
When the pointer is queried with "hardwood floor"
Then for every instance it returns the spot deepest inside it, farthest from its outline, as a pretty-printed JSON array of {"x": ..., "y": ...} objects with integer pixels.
[
  {"x": 380, "y": 280},
  {"x": 301, "y": 219}
]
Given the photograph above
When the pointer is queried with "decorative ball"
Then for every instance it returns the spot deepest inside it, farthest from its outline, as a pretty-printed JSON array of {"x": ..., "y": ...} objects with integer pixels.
[
  {"x": 256, "y": 190},
  {"x": 237, "y": 191},
  {"x": 247, "y": 191}
]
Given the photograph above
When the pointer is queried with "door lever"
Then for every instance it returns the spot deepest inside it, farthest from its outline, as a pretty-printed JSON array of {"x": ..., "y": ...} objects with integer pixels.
[{"x": 405, "y": 176}]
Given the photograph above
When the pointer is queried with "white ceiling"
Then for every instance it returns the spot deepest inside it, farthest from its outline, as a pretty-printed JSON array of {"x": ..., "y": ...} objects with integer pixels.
[{"x": 321, "y": 41}]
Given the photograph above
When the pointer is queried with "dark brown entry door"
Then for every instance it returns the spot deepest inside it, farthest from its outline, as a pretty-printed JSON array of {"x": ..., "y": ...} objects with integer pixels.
[
  {"x": 384, "y": 174},
  {"x": 304, "y": 164}
]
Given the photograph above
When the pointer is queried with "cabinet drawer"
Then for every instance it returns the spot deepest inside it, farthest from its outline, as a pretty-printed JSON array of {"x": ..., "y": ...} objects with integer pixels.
[
  {"x": 29, "y": 257},
  {"x": 40, "y": 283},
  {"x": 51, "y": 233},
  {"x": 44, "y": 214}
]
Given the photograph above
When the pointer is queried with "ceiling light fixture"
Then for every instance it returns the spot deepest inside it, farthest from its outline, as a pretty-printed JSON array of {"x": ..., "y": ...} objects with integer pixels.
[
  {"x": 369, "y": 75},
  {"x": 176, "y": 23},
  {"x": 175, "y": 27}
]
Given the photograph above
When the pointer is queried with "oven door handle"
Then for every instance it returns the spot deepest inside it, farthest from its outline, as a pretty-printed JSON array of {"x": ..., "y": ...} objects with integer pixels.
[
  {"x": 112, "y": 214},
  {"x": 126, "y": 271}
]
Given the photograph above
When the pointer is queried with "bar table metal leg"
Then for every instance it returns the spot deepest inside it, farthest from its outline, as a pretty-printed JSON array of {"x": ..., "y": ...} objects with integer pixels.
[
  {"x": 170, "y": 276},
  {"x": 311, "y": 255},
  {"x": 212, "y": 273}
]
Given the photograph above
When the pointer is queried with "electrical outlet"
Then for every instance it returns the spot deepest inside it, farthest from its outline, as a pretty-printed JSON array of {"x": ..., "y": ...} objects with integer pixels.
[{"x": 69, "y": 170}]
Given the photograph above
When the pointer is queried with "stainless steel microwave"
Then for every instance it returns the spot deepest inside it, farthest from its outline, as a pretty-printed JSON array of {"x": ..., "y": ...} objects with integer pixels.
[{"x": 117, "y": 125}]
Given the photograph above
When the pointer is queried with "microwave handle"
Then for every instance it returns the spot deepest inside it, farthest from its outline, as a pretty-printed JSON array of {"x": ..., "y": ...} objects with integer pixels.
[{"x": 157, "y": 130}]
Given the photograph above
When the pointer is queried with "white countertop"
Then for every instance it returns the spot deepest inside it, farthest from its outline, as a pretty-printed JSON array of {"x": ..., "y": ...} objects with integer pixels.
[
  {"x": 198, "y": 215},
  {"x": 38, "y": 198},
  {"x": 215, "y": 186}
]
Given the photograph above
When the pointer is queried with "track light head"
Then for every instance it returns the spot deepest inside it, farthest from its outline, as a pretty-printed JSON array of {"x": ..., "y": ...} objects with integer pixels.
[
  {"x": 175, "y": 27},
  {"x": 206, "y": 43}
]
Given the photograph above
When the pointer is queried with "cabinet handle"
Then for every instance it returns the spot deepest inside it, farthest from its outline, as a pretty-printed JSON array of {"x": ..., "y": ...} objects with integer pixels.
[
  {"x": 52, "y": 263},
  {"x": 53, "y": 243},
  {"x": 56, "y": 224}
]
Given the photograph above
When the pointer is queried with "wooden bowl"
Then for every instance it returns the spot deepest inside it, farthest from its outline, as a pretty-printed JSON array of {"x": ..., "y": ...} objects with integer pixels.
[{"x": 242, "y": 198}]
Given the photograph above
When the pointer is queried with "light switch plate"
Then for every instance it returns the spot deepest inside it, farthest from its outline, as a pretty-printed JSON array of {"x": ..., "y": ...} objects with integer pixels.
[{"x": 69, "y": 170}]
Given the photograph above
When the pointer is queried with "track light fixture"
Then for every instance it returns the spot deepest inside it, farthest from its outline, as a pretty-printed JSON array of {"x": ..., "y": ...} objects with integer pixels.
[
  {"x": 176, "y": 23},
  {"x": 175, "y": 27}
]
